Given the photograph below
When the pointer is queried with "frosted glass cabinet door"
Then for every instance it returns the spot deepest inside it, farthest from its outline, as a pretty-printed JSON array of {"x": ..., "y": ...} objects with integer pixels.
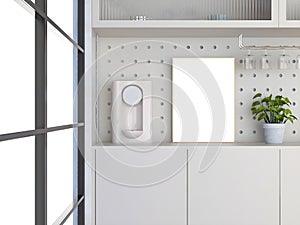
[
  {"x": 241, "y": 187},
  {"x": 135, "y": 188},
  {"x": 289, "y": 13},
  {"x": 290, "y": 186}
]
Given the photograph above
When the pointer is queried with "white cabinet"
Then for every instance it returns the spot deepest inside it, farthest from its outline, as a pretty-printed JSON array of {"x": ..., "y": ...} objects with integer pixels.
[
  {"x": 241, "y": 187},
  {"x": 141, "y": 187},
  {"x": 290, "y": 197},
  {"x": 289, "y": 13},
  {"x": 185, "y": 14}
]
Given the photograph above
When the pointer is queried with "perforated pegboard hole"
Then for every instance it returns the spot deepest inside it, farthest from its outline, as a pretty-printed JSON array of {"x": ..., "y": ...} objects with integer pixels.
[
  {"x": 294, "y": 103},
  {"x": 241, "y": 117},
  {"x": 281, "y": 75},
  {"x": 294, "y": 61},
  {"x": 241, "y": 103},
  {"x": 162, "y": 61},
  {"x": 135, "y": 47},
  {"x": 267, "y": 89},
  {"x": 149, "y": 75},
  {"x": 254, "y": 89},
  {"x": 188, "y": 47},
  {"x": 215, "y": 47},
  {"x": 267, "y": 75},
  {"x": 108, "y": 131},
  {"x": 135, "y": 61},
  {"x": 162, "y": 103},
  {"x": 201, "y": 47},
  {"x": 254, "y": 117},
  {"x": 122, "y": 75},
  {"x": 108, "y": 103},
  {"x": 254, "y": 132},
  {"x": 109, "y": 61},
  {"x": 241, "y": 75},
  {"x": 175, "y": 46},
  {"x": 241, "y": 131},
  {"x": 254, "y": 75},
  {"x": 162, "y": 75},
  {"x": 162, "y": 89},
  {"x": 122, "y": 47},
  {"x": 241, "y": 89},
  {"x": 109, "y": 75},
  {"x": 228, "y": 47},
  {"x": 109, "y": 47},
  {"x": 294, "y": 75},
  {"x": 149, "y": 61},
  {"x": 148, "y": 47},
  {"x": 241, "y": 61},
  {"x": 162, "y": 131},
  {"x": 108, "y": 89},
  {"x": 108, "y": 117},
  {"x": 135, "y": 75},
  {"x": 162, "y": 47},
  {"x": 281, "y": 89},
  {"x": 122, "y": 60},
  {"x": 162, "y": 118},
  {"x": 294, "y": 131},
  {"x": 294, "y": 89}
]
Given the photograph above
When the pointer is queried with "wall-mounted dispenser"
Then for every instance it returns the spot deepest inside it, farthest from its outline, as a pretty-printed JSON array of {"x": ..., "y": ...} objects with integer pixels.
[{"x": 131, "y": 112}]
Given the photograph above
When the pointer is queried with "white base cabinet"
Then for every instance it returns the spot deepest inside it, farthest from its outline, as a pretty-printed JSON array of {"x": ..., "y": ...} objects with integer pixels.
[
  {"x": 246, "y": 185},
  {"x": 241, "y": 187},
  {"x": 290, "y": 196},
  {"x": 141, "y": 188}
]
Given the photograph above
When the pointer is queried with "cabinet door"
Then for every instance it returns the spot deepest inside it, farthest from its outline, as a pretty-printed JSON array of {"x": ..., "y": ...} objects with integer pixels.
[
  {"x": 241, "y": 187},
  {"x": 136, "y": 187},
  {"x": 290, "y": 186},
  {"x": 289, "y": 13}
]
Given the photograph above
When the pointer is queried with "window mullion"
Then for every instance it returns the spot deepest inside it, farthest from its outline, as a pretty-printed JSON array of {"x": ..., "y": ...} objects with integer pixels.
[{"x": 41, "y": 114}]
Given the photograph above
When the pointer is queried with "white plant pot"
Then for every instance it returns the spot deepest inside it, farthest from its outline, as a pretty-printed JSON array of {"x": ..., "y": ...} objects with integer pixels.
[{"x": 273, "y": 132}]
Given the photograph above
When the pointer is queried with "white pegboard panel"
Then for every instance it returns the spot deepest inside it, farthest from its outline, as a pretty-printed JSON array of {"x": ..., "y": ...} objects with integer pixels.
[{"x": 151, "y": 59}]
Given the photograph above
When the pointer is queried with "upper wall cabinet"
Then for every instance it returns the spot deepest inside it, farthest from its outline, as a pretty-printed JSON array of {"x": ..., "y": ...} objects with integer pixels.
[
  {"x": 184, "y": 14},
  {"x": 289, "y": 13}
]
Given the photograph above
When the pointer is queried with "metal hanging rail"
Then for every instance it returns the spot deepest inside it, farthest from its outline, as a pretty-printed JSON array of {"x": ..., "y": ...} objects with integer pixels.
[{"x": 265, "y": 47}]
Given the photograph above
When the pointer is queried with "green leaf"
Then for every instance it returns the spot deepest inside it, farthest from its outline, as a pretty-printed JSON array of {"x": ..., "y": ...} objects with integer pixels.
[
  {"x": 287, "y": 112},
  {"x": 290, "y": 119},
  {"x": 257, "y": 95},
  {"x": 294, "y": 117},
  {"x": 287, "y": 100},
  {"x": 260, "y": 109},
  {"x": 256, "y": 103},
  {"x": 266, "y": 99},
  {"x": 261, "y": 116},
  {"x": 278, "y": 98}
]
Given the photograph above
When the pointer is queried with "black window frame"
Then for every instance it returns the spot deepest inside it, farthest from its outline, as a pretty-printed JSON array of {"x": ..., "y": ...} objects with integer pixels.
[{"x": 41, "y": 130}]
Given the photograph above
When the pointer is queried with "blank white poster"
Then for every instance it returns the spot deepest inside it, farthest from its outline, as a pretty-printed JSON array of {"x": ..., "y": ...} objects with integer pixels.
[{"x": 203, "y": 100}]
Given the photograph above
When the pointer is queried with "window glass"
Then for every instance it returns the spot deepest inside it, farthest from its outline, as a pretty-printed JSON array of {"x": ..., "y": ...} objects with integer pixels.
[
  {"x": 17, "y": 181},
  {"x": 17, "y": 67},
  {"x": 61, "y": 12},
  {"x": 59, "y": 79},
  {"x": 60, "y": 173}
]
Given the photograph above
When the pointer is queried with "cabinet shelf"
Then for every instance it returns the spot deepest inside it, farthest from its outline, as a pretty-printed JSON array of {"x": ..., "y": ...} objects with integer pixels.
[{"x": 182, "y": 24}]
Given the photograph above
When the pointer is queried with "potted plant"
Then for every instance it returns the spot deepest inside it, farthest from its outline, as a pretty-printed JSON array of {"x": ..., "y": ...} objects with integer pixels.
[{"x": 275, "y": 112}]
